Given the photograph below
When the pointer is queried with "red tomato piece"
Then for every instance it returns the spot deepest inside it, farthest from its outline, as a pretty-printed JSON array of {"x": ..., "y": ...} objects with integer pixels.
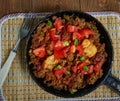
[
  {"x": 66, "y": 49},
  {"x": 72, "y": 48},
  {"x": 81, "y": 65},
  {"x": 84, "y": 72},
  {"x": 61, "y": 53},
  {"x": 98, "y": 67},
  {"x": 40, "y": 52},
  {"x": 71, "y": 28},
  {"x": 74, "y": 69},
  {"x": 59, "y": 72},
  {"x": 60, "y": 50},
  {"x": 58, "y": 54},
  {"x": 57, "y": 37},
  {"x": 52, "y": 44},
  {"x": 82, "y": 33},
  {"x": 59, "y": 45},
  {"x": 86, "y": 32},
  {"x": 77, "y": 35},
  {"x": 53, "y": 35},
  {"x": 79, "y": 48},
  {"x": 58, "y": 23},
  {"x": 90, "y": 69},
  {"x": 63, "y": 69}
]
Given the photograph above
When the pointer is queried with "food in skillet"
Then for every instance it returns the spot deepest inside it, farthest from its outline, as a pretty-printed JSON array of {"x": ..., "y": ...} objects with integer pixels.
[{"x": 67, "y": 53}]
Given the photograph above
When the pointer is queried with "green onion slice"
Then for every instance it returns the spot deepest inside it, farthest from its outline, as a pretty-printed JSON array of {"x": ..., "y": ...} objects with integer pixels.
[
  {"x": 59, "y": 67},
  {"x": 68, "y": 72},
  {"x": 93, "y": 27},
  {"x": 48, "y": 84},
  {"x": 66, "y": 43},
  {"x": 82, "y": 58},
  {"x": 66, "y": 17},
  {"x": 76, "y": 42},
  {"x": 49, "y": 23},
  {"x": 86, "y": 68},
  {"x": 73, "y": 91}
]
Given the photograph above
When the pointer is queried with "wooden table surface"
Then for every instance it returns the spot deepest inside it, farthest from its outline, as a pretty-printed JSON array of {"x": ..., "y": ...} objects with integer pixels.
[
  {"x": 37, "y": 6},
  {"x": 14, "y": 6}
]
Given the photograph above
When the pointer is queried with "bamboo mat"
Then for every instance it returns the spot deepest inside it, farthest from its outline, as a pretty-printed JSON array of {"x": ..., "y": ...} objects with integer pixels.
[{"x": 19, "y": 86}]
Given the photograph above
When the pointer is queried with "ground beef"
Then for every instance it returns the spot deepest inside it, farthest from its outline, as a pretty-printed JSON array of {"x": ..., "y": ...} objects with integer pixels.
[
  {"x": 66, "y": 36},
  {"x": 100, "y": 56},
  {"x": 70, "y": 57},
  {"x": 94, "y": 77},
  {"x": 80, "y": 22}
]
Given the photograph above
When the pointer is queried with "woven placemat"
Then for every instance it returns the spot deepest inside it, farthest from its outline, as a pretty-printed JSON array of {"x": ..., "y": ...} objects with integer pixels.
[{"x": 19, "y": 86}]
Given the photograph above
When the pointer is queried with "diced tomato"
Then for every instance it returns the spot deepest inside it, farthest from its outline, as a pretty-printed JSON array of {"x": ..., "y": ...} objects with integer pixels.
[
  {"x": 84, "y": 72},
  {"x": 79, "y": 48},
  {"x": 81, "y": 65},
  {"x": 58, "y": 23},
  {"x": 52, "y": 44},
  {"x": 74, "y": 69},
  {"x": 40, "y": 52},
  {"x": 60, "y": 50},
  {"x": 86, "y": 32},
  {"x": 66, "y": 49},
  {"x": 59, "y": 72},
  {"x": 59, "y": 45},
  {"x": 53, "y": 35},
  {"x": 98, "y": 67},
  {"x": 71, "y": 28},
  {"x": 77, "y": 35},
  {"x": 72, "y": 48},
  {"x": 63, "y": 69},
  {"x": 57, "y": 37},
  {"x": 90, "y": 69},
  {"x": 82, "y": 33},
  {"x": 60, "y": 53}
]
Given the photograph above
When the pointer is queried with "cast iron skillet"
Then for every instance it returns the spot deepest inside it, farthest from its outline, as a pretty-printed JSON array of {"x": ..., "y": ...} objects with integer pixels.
[{"x": 107, "y": 77}]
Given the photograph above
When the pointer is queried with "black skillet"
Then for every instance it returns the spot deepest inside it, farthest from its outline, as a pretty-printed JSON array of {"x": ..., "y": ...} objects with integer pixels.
[{"x": 107, "y": 78}]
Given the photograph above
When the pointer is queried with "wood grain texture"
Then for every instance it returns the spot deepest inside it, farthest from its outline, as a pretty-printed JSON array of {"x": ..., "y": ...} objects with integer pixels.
[
  {"x": 54, "y": 5},
  {"x": 100, "y": 5},
  {"x": 15, "y": 6}
]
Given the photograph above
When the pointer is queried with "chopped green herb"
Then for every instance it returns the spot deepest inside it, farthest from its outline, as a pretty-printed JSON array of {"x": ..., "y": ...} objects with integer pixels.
[
  {"x": 93, "y": 27},
  {"x": 82, "y": 58},
  {"x": 86, "y": 68},
  {"x": 68, "y": 72},
  {"x": 59, "y": 67},
  {"x": 30, "y": 51},
  {"x": 42, "y": 34},
  {"x": 73, "y": 91},
  {"x": 49, "y": 23},
  {"x": 66, "y": 43},
  {"x": 48, "y": 84},
  {"x": 76, "y": 42},
  {"x": 66, "y": 17}
]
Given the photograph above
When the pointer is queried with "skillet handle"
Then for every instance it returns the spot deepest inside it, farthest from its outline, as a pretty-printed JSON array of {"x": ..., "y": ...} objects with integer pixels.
[{"x": 113, "y": 83}]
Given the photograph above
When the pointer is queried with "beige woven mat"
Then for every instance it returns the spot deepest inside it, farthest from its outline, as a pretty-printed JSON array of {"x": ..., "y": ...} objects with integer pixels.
[{"x": 20, "y": 87}]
